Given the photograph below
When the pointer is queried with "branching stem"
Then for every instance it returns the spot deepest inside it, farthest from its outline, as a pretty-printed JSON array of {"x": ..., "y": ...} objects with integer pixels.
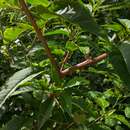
[
  {"x": 83, "y": 64},
  {"x": 39, "y": 35}
]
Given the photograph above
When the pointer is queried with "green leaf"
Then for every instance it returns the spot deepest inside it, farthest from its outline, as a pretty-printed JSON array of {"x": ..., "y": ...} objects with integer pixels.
[
  {"x": 125, "y": 50},
  {"x": 57, "y": 32},
  {"x": 103, "y": 103},
  {"x": 113, "y": 27},
  {"x": 110, "y": 121},
  {"x": 85, "y": 50},
  {"x": 71, "y": 46},
  {"x": 76, "y": 81},
  {"x": 9, "y": 3},
  {"x": 66, "y": 103},
  {"x": 76, "y": 12},
  {"x": 12, "y": 84},
  {"x": 122, "y": 119},
  {"x": 119, "y": 65},
  {"x": 25, "y": 89},
  {"x": 39, "y": 2},
  {"x": 13, "y": 32},
  {"x": 59, "y": 52},
  {"x": 127, "y": 112},
  {"x": 45, "y": 112},
  {"x": 125, "y": 23}
]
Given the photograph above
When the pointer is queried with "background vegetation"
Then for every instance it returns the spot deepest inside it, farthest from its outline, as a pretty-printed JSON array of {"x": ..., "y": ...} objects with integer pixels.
[{"x": 64, "y": 65}]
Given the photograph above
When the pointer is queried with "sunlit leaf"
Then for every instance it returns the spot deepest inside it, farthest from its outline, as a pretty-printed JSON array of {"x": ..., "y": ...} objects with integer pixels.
[
  {"x": 127, "y": 112},
  {"x": 12, "y": 84},
  {"x": 39, "y": 2},
  {"x": 13, "y": 32}
]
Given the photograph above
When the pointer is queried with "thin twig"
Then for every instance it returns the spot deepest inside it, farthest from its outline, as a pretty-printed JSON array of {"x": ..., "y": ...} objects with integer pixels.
[
  {"x": 39, "y": 35},
  {"x": 64, "y": 60},
  {"x": 83, "y": 64}
]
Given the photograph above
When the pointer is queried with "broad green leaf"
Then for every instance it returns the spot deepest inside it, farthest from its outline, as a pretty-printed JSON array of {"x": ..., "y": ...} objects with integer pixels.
[
  {"x": 12, "y": 84},
  {"x": 15, "y": 123},
  {"x": 122, "y": 119},
  {"x": 119, "y": 65},
  {"x": 45, "y": 112},
  {"x": 118, "y": 127},
  {"x": 76, "y": 12},
  {"x": 58, "y": 31},
  {"x": 66, "y": 102},
  {"x": 39, "y": 2},
  {"x": 110, "y": 121},
  {"x": 76, "y": 81},
  {"x": 43, "y": 12},
  {"x": 113, "y": 27},
  {"x": 127, "y": 112},
  {"x": 71, "y": 46},
  {"x": 9, "y": 3},
  {"x": 59, "y": 52},
  {"x": 85, "y": 50},
  {"x": 103, "y": 103},
  {"x": 115, "y": 6},
  {"x": 22, "y": 90},
  {"x": 25, "y": 89},
  {"x": 125, "y": 50},
  {"x": 13, "y": 32},
  {"x": 125, "y": 23}
]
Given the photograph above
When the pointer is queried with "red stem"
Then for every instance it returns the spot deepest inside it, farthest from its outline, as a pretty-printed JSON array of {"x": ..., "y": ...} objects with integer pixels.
[{"x": 81, "y": 65}]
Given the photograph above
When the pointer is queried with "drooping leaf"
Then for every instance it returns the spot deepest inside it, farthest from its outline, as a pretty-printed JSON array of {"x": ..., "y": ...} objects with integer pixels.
[
  {"x": 76, "y": 12},
  {"x": 115, "y": 6},
  {"x": 12, "y": 84},
  {"x": 122, "y": 119},
  {"x": 113, "y": 27},
  {"x": 125, "y": 23},
  {"x": 25, "y": 89},
  {"x": 45, "y": 112},
  {"x": 119, "y": 64},
  {"x": 125, "y": 50},
  {"x": 66, "y": 103}
]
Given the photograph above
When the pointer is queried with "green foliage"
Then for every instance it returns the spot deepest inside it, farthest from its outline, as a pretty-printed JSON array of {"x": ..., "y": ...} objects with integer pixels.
[{"x": 33, "y": 97}]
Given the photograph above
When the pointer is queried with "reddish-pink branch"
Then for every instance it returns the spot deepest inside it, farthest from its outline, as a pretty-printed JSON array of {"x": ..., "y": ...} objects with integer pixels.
[
  {"x": 81, "y": 65},
  {"x": 40, "y": 36}
]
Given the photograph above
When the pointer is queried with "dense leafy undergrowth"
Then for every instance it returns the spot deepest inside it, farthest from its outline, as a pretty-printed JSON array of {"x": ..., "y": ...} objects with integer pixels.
[{"x": 95, "y": 96}]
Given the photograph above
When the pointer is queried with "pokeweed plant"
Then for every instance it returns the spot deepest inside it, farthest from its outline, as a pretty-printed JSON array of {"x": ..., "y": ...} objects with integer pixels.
[{"x": 66, "y": 65}]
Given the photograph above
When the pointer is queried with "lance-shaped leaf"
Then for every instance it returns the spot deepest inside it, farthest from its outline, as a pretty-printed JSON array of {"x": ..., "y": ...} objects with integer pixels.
[
  {"x": 75, "y": 12},
  {"x": 120, "y": 65},
  {"x": 12, "y": 84},
  {"x": 125, "y": 50},
  {"x": 46, "y": 109}
]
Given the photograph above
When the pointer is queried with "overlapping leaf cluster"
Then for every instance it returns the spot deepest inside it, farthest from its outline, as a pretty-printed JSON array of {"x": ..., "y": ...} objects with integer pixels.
[{"x": 95, "y": 98}]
